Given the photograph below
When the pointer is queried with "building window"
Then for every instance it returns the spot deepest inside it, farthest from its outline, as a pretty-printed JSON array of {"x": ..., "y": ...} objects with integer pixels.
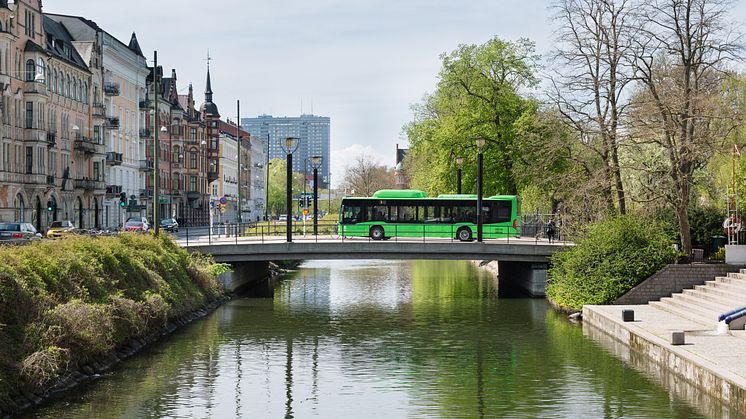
[
  {"x": 41, "y": 69},
  {"x": 30, "y": 70},
  {"x": 96, "y": 172},
  {"x": 193, "y": 159},
  {"x": 29, "y": 160},
  {"x": 29, "y": 115},
  {"x": 192, "y": 183}
]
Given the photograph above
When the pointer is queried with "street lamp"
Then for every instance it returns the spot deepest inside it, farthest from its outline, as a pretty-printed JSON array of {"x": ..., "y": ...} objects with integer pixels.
[
  {"x": 290, "y": 144},
  {"x": 480, "y": 145},
  {"x": 164, "y": 130},
  {"x": 459, "y": 163},
  {"x": 316, "y": 164},
  {"x": 156, "y": 147}
]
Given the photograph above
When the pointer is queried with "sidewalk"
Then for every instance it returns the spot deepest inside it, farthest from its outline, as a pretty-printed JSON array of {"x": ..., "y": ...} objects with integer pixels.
[{"x": 713, "y": 363}]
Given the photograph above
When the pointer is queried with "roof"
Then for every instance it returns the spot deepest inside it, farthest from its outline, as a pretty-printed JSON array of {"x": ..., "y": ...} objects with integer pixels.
[
  {"x": 60, "y": 43},
  {"x": 135, "y": 46},
  {"x": 132, "y": 46}
]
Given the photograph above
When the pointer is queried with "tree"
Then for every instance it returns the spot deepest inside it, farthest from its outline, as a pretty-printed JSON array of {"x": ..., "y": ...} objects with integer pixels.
[
  {"x": 278, "y": 186},
  {"x": 681, "y": 59},
  {"x": 478, "y": 95},
  {"x": 365, "y": 176},
  {"x": 592, "y": 62}
]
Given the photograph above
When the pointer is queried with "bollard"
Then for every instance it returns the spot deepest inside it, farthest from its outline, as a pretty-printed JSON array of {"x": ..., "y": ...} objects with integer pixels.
[
  {"x": 677, "y": 338},
  {"x": 628, "y": 315}
]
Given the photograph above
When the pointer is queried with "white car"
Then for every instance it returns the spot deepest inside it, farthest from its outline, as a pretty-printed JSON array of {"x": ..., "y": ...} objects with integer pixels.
[{"x": 282, "y": 217}]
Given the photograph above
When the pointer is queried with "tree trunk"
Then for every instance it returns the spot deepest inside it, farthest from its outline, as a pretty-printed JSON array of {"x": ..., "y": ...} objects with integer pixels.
[
  {"x": 618, "y": 180},
  {"x": 682, "y": 214}
]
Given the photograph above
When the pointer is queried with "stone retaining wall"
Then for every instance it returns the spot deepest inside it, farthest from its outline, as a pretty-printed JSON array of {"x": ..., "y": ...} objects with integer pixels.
[{"x": 673, "y": 279}]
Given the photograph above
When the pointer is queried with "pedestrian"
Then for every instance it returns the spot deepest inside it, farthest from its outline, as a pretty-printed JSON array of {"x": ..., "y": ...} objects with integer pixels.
[{"x": 550, "y": 230}]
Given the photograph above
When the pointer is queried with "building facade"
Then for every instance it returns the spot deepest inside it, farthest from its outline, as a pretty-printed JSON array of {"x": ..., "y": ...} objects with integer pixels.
[
  {"x": 312, "y": 132},
  {"x": 51, "y": 166},
  {"x": 119, "y": 71}
]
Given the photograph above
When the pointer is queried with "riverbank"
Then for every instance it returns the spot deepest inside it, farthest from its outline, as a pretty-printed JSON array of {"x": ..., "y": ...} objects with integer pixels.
[
  {"x": 709, "y": 361},
  {"x": 70, "y": 309}
]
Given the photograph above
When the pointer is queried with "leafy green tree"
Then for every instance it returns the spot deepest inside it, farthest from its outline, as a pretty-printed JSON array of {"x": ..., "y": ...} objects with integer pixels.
[
  {"x": 278, "y": 186},
  {"x": 478, "y": 95}
]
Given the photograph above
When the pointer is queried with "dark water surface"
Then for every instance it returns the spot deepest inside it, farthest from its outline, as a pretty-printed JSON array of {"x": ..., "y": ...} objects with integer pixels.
[{"x": 378, "y": 339}]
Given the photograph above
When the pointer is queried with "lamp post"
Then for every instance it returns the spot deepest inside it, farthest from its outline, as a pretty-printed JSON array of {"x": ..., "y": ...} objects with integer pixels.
[
  {"x": 290, "y": 144},
  {"x": 164, "y": 130},
  {"x": 316, "y": 163},
  {"x": 266, "y": 189},
  {"x": 238, "y": 141},
  {"x": 480, "y": 145},
  {"x": 156, "y": 145},
  {"x": 459, "y": 162}
]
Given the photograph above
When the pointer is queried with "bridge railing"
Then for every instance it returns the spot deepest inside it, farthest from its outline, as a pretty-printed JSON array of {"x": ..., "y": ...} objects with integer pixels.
[{"x": 535, "y": 232}]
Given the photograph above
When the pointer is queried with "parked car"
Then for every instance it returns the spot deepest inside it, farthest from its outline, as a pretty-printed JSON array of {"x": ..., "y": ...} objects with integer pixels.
[
  {"x": 60, "y": 229},
  {"x": 170, "y": 224},
  {"x": 136, "y": 225},
  {"x": 142, "y": 220},
  {"x": 18, "y": 233}
]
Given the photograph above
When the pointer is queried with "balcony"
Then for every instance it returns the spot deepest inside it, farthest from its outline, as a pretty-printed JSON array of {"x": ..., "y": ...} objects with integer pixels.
[
  {"x": 212, "y": 176},
  {"x": 86, "y": 145},
  {"x": 99, "y": 110},
  {"x": 144, "y": 105},
  {"x": 51, "y": 139},
  {"x": 113, "y": 191},
  {"x": 88, "y": 184},
  {"x": 50, "y": 180},
  {"x": 114, "y": 159},
  {"x": 112, "y": 122},
  {"x": 193, "y": 195},
  {"x": 146, "y": 165},
  {"x": 177, "y": 164},
  {"x": 111, "y": 89},
  {"x": 35, "y": 88},
  {"x": 144, "y": 133},
  {"x": 146, "y": 193}
]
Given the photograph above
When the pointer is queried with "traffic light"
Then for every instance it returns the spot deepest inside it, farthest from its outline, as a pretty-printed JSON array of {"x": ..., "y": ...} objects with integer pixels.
[
  {"x": 50, "y": 206},
  {"x": 122, "y": 199}
]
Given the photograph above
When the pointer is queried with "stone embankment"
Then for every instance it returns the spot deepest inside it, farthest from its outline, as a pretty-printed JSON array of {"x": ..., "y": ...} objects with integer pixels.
[{"x": 711, "y": 361}]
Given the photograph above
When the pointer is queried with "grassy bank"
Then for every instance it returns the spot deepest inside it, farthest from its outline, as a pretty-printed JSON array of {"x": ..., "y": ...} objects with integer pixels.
[{"x": 64, "y": 302}]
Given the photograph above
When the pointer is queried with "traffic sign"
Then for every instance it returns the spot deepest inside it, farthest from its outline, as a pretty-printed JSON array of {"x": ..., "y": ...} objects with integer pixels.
[{"x": 223, "y": 200}]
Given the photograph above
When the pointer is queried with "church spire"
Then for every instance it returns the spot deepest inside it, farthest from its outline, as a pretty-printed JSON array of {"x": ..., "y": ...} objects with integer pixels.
[
  {"x": 209, "y": 108},
  {"x": 208, "y": 88}
]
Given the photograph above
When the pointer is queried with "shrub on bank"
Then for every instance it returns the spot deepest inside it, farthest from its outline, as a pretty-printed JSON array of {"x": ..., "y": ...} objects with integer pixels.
[
  {"x": 64, "y": 302},
  {"x": 614, "y": 256}
]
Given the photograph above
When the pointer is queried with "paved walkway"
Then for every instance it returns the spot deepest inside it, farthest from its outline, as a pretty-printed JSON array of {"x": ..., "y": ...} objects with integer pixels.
[{"x": 723, "y": 355}]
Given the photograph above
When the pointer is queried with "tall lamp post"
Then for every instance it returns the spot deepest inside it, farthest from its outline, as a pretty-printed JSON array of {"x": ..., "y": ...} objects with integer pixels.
[
  {"x": 459, "y": 163},
  {"x": 290, "y": 144},
  {"x": 316, "y": 164},
  {"x": 480, "y": 145},
  {"x": 156, "y": 145}
]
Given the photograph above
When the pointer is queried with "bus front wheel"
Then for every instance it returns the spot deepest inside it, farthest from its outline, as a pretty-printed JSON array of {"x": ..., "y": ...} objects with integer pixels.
[
  {"x": 376, "y": 233},
  {"x": 464, "y": 234}
]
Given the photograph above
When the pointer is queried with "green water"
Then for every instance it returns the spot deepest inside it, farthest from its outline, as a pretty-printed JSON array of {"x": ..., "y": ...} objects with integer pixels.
[{"x": 379, "y": 339}]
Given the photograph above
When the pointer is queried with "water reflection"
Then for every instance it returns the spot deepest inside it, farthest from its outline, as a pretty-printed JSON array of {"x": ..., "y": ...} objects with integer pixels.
[{"x": 378, "y": 339}]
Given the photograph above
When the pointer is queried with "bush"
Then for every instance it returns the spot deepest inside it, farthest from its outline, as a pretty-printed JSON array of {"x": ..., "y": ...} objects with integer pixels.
[{"x": 614, "y": 256}]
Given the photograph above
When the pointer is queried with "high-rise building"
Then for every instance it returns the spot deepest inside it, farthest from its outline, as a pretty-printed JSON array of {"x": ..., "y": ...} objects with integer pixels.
[{"x": 311, "y": 130}]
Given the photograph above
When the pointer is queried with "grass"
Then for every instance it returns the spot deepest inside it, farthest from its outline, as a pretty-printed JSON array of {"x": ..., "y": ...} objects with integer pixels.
[{"x": 64, "y": 302}]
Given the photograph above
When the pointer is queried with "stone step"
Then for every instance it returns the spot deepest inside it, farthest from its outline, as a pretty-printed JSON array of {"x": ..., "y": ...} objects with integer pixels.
[
  {"x": 736, "y": 288},
  {"x": 731, "y": 277},
  {"x": 718, "y": 306},
  {"x": 714, "y": 297},
  {"x": 722, "y": 292},
  {"x": 683, "y": 313},
  {"x": 709, "y": 314}
]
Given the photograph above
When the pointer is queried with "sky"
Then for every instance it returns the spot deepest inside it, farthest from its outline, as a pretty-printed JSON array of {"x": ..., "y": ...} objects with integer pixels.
[{"x": 362, "y": 63}]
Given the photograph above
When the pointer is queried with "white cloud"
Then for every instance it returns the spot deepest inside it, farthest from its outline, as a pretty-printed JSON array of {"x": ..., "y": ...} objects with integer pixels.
[{"x": 344, "y": 157}]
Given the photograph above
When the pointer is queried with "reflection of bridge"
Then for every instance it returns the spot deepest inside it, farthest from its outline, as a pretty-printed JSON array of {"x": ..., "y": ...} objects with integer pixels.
[{"x": 523, "y": 260}]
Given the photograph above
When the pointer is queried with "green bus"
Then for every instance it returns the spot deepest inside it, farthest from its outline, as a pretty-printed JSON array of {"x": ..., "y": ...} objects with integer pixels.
[{"x": 410, "y": 213}]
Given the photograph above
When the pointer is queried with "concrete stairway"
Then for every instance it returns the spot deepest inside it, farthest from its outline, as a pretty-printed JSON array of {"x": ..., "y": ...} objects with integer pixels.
[{"x": 706, "y": 302}]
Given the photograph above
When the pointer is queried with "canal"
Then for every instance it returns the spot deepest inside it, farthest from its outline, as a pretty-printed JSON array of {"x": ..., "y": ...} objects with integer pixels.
[{"x": 380, "y": 339}]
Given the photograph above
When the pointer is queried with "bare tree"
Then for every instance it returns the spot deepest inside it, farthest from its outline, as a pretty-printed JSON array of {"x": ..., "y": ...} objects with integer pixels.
[
  {"x": 681, "y": 63},
  {"x": 365, "y": 176},
  {"x": 593, "y": 70}
]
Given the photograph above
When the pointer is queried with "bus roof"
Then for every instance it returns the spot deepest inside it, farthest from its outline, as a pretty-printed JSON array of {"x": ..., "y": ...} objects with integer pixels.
[
  {"x": 399, "y": 193},
  {"x": 457, "y": 196}
]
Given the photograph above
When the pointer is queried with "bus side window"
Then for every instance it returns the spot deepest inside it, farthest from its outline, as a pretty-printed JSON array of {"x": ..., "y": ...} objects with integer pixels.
[
  {"x": 377, "y": 213},
  {"x": 351, "y": 214}
]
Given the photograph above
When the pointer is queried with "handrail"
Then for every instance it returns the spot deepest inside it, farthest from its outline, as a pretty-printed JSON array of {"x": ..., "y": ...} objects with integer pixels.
[{"x": 731, "y": 315}]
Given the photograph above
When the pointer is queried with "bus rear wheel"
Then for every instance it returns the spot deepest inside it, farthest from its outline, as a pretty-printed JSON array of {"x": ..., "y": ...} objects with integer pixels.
[
  {"x": 376, "y": 233},
  {"x": 464, "y": 234}
]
